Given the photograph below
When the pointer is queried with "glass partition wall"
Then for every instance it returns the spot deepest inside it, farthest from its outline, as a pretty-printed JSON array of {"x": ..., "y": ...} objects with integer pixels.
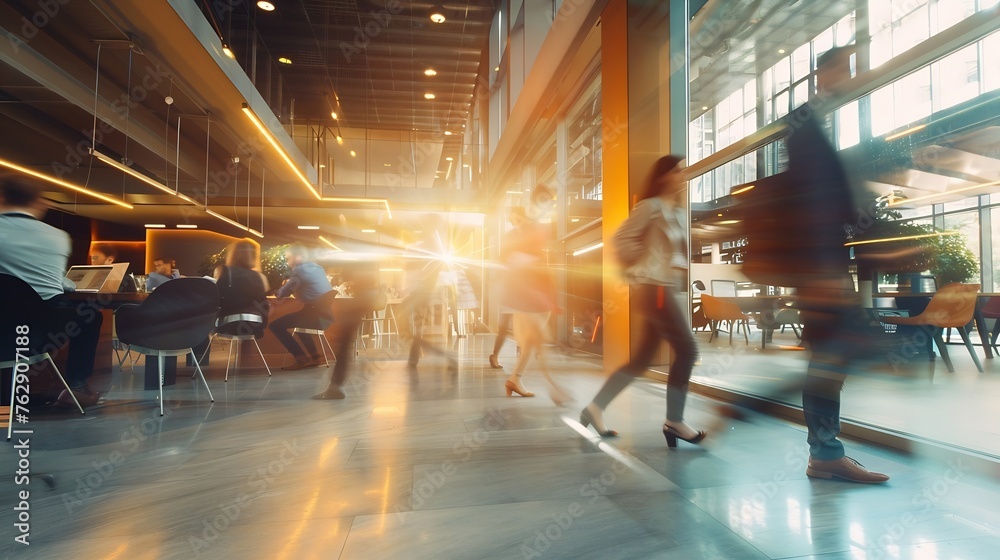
[{"x": 921, "y": 143}]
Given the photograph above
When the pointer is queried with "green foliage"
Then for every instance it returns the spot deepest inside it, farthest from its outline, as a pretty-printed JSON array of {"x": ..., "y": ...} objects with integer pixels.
[
  {"x": 274, "y": 265},
  {"x": 946, "y": 255}
]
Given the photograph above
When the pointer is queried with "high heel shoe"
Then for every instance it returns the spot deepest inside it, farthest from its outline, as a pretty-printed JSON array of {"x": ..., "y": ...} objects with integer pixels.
[
  {"x": 494, "y": 363},
  {"x": 587, "y": 419},
  {"x": 673, "y": 435},
  {"x": 511, "y": 388}
]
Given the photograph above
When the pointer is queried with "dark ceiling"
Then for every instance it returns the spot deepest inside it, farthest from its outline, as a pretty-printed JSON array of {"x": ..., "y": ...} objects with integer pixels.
[
  {"x": 363, "y": 59},
  {"x": 48, "y": 106}
]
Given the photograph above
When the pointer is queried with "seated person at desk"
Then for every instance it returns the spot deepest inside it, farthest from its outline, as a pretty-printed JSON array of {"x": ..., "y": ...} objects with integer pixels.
[
  {"x": 103, "y": 253},
  {"x": 242, "y": 290},
  {"x": 163, "y": 270},
  {"x": 38, "y": 254},
  {"x": 242, "y": 287},
  {"x": 307, "y": 283}
]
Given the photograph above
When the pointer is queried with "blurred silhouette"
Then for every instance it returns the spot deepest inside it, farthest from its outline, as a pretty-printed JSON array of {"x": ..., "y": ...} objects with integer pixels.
[
  {"x": 348, "y": 313},
  {"x": 308, "y": 283},
  {"x": 652, "y": 247},
  {"x": 529, "y": 291},
  {"x": 809, "y": 207},
  {"x": 426, "y": 260}
]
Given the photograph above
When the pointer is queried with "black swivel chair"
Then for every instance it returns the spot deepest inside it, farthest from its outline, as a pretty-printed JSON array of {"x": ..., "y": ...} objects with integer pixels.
[
  {"x": 176, "y": 317},
  {"x": 24, "y": 308}
]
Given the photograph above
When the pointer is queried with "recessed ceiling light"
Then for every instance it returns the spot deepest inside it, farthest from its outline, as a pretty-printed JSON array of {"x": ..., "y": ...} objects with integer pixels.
[
  {"x": 334, "y": 115},
  {"x": 497, "y": 69},
  {"x": 430, "y": 72},
  {"x": 308, "y": 227},
  {"x": 437, "y": 14},
  {"x": 367, "y": 231},
  {"x": 447, "y": 133},
  {"x": 429, "y": 95},
  {"x": 465, "y": 165},
  {"x": 353, "y": 153},
  {"x": 340, "y": 139},
  {"x": 266, "y": 6},
  {"x": 228, "y": 52},
  {"x": 704, "y": 108},
  {"x": 449, "y": 158},
  {"x": 574, "y": 220},
  {"x": 156, "y": 225},
  {"x": 781, "y": 51},
  {"x": 187, "y": 226},
  {"x": 285, "y": 60},
  {"x": 387, "y": 165}
]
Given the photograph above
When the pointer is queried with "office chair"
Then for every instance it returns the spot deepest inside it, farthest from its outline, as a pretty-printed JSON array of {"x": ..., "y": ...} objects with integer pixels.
[
  {"x": 951, "y": 307},
  {"x": 23, "y": 307},
  {"x": 718, "y": 311},
  {"x": 236, "y": 328},
  {"x": 175, "y": 318}
]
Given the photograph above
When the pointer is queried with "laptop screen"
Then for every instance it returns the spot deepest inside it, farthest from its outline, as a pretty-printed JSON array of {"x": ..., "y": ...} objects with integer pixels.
[{"x": 99, "y": 278}]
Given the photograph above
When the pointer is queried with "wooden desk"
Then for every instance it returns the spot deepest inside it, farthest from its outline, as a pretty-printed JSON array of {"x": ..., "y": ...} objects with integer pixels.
[{"x": 105, "y": 304}]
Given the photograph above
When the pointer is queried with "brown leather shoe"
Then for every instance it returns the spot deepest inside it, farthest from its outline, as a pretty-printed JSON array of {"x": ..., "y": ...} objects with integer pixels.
[
  {"x": 86, "y": 398},
  {"x": 844, "y": 468}
]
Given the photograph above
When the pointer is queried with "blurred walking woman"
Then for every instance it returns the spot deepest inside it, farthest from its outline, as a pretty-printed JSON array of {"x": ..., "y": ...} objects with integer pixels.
[{"x": 652, "y": 247}]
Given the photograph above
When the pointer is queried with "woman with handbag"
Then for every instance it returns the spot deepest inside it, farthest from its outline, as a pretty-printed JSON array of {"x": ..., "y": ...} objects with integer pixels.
[{"x": 652, "y": 247}]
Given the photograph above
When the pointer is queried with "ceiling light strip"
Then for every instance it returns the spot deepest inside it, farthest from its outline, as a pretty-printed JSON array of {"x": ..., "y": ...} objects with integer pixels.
[
  {"x": 906, "y": 132},
  {"x": 281, "y": 152},
  {"x": 232, "y": 222},
  {"x": 330, "y": 243},
  {"x": 909, "y": 201},
  {"x": 382, "y": 201},
  {"x": 64, "y": 184},
  {"x": 586, "y": 250},
  {"x": 904, "y": 238},
  {"x": 126, "y": 169}
]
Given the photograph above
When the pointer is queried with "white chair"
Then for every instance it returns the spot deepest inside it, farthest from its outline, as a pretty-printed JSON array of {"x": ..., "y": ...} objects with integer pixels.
[
  {"x": 247, "y": 325},
  {"x": 384, "y": 325}
]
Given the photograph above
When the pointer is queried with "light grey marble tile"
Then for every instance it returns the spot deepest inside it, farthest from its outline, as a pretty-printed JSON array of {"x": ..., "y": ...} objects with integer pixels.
[{"x": 653, "y": 525}]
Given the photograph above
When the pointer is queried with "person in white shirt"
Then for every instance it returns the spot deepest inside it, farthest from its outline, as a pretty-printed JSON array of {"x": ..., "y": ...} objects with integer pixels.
[{"x": 38, "y": 253}]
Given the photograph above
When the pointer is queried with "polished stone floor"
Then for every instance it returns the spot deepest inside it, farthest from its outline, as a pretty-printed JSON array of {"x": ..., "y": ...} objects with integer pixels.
[{"x": 441, "y": 466}]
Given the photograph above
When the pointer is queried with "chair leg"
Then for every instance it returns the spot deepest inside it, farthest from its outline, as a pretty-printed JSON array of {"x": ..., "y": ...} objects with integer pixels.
[
  {"x": 322, "y": 337},
  {"x": 66, "y": 385},
  {"x": 746, "y": 330},
  {"x": 229, "y": 359},
  {"x": 203, "y": 380},
  {"x": 13, "y": 389},
  {"x": 160, "y": 363},
  {"x": 712, "y": 331},
  {"x": 972, "y": 351},
  {"x": 732, "y": 326},
  {"x": 259, "y": 351},
  {"x": 944, "y": 350},
  {"x": 332, "y": 353}
]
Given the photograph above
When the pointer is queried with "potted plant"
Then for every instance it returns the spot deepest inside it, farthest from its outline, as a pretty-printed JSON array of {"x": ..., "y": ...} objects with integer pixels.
[{"x": 916, "y": 249}]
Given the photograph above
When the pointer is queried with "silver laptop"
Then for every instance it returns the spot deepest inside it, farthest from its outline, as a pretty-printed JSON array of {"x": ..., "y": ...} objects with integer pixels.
[{"x": 97, "y": 278}]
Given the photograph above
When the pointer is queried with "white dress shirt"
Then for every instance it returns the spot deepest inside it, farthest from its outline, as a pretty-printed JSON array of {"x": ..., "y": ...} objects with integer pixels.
[{"x": 34, "y": 252}]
